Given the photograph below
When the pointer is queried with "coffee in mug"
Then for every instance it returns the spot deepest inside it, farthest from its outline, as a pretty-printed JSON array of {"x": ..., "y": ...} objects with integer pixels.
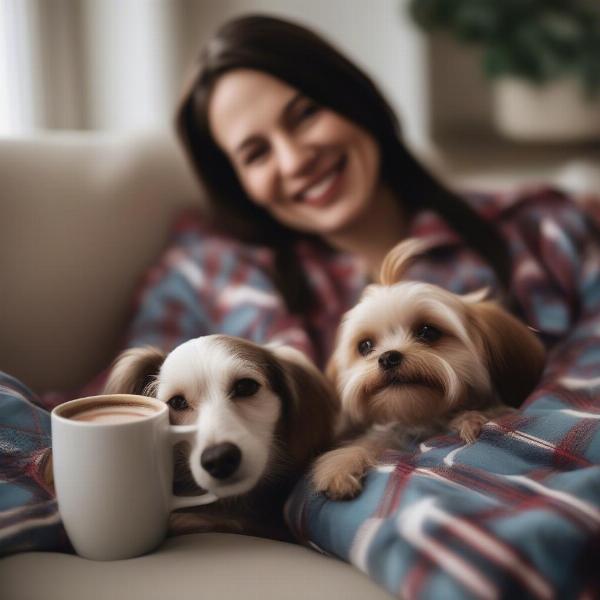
[
  {"x": 113, "y": 473},
  {"x": 112, "y": 412}
]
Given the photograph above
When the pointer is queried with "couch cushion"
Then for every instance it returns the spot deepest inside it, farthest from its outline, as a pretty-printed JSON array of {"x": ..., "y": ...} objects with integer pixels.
[{"x": 211, "y": 566}]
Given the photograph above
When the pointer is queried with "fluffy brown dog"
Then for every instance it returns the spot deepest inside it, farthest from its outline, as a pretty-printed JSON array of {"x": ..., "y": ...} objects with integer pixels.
[{"x": 413, "y": 360}]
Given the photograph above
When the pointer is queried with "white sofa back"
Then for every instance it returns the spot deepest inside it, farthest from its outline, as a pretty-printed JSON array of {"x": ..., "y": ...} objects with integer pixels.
[{"x": 81, "y": 216}]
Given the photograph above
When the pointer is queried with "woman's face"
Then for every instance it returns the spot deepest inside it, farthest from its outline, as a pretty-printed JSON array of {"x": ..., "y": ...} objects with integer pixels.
[{"x": 312, "y": 169}]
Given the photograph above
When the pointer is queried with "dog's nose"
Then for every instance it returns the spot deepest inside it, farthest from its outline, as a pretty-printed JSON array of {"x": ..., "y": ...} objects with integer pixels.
[
  {"x": 389, "y": 360},
  {"x": 221, "y": 460}
]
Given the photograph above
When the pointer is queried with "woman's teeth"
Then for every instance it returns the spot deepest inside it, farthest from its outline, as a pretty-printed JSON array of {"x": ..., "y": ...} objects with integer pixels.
[{"x": 315, "y": 191}]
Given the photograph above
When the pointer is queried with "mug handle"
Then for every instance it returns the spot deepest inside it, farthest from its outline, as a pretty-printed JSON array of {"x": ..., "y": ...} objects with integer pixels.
[{"x": 186, "y": 433}]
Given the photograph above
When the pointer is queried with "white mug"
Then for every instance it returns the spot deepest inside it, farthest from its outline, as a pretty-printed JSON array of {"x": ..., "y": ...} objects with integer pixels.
[{"x": 113, "y": 473}]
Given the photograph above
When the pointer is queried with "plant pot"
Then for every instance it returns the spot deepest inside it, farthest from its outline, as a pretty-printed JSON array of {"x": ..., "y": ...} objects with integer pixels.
[{"x": 554, "y": 112}]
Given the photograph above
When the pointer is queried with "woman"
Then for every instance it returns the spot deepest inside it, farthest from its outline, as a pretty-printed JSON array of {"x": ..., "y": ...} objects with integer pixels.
[
  {"x": 334, "y": 112},
  {"x": 309, "y": 185}
]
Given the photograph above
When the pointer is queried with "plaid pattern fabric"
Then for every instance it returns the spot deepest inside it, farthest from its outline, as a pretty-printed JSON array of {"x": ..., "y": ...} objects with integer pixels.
[
  {"x": 519, "y": 510},
  {"x": 29, "y": 517},
  {"x": 207, "y": 283}
]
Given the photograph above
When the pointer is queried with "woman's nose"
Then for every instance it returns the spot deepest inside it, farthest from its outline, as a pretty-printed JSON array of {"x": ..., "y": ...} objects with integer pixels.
[{"x": 293, "y": 156}]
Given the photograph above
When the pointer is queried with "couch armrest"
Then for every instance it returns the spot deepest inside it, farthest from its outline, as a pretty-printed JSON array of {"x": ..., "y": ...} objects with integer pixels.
[{"x": 82, "y": 216}]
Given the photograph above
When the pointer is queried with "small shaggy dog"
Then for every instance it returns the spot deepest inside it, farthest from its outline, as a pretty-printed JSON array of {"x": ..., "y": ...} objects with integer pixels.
[
  {"x": 413, "y": 360},
  {"x": 263, "y": 413}
]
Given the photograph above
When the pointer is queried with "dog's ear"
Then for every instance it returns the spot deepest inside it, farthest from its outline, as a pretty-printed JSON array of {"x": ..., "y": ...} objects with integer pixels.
[
  {"x": 514, "y": 355},
  {"x": 477, "y": 296},
  {"x": 312, "y": 405},
  {"x": 400, "y": 257},
  {"x": 134, "y": 371}
]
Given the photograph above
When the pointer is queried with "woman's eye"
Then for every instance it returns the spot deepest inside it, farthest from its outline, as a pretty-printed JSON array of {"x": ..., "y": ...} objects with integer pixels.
[
  {"x": 254, "y": 155},
  {"x": 308, "y": 111},
  {"x": 252, "y": 158},
  {"x": 245, "y": 387},
  {"x": 428, "y": 334},
  {"x": 365, "y": 347},
  {"x": 178, "y": 403}
]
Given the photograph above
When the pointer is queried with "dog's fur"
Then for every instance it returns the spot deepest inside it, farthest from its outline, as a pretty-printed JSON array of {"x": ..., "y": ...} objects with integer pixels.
[
  {"x": 279, "y": 428},
  {"x": 431, "y": 361}
]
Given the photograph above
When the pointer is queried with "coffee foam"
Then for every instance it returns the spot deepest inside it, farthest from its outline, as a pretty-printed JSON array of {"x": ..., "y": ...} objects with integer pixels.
[
  {"x": 110, "y": 412},
  {"x": 113, "y": 414}
]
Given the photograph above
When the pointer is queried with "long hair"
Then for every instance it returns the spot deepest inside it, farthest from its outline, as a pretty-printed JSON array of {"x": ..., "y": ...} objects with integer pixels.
[{"x": 308, "y": 63}]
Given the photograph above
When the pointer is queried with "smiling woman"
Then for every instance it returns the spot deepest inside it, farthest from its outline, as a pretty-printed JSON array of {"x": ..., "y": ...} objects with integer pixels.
[
  {"x": 310, "y": 168},
  {"x": 289, "y": 151}
]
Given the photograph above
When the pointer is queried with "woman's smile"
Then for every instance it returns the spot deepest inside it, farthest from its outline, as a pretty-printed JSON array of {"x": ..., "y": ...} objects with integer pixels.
[
  {"x": 324, "y": 187},
  {"x": 309, "y": 167}
]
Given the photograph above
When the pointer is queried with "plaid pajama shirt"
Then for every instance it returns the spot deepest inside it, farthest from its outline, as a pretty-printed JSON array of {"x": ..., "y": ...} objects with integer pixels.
[{"x": 516, "y": 512}]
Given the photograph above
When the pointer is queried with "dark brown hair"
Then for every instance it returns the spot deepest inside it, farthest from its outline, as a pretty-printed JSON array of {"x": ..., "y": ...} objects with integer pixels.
[{"x": 308, "y": 63}]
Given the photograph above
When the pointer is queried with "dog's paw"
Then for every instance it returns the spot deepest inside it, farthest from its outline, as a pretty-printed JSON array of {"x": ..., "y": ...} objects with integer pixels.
[
  {"x": 339, "y": 473},
  {"x": 468, "y": 425}
]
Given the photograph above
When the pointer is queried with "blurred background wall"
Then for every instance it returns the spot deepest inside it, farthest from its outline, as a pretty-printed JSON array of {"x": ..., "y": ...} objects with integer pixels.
[{"x": 118, "y": 64}]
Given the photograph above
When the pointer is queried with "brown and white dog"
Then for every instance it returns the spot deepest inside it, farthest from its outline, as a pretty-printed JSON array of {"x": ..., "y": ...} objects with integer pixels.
[
  {"x": 263, "y": 413},
  {"x": 414, "y": 360}
]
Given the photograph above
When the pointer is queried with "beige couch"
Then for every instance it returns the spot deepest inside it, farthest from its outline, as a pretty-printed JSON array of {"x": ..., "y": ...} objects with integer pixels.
[{"x": 81, "y": 216}]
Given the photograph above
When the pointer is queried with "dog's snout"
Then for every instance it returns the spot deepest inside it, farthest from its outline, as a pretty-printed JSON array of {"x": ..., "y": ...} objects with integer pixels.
[
  {"x": 389, "y": 360},
  {"x": 221, "y": 460}
]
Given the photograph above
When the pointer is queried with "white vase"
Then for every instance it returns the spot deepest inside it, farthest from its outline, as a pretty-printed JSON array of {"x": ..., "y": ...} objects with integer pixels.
[{"x": 555, "y": 112}]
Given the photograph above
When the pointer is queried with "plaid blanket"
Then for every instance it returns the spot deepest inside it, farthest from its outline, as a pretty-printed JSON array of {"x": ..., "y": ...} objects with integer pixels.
[{"x": 517, "y": 511}]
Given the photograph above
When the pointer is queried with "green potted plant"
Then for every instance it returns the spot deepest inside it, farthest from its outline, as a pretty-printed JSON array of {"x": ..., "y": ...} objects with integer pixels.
[{"x": 542, "y": 55}]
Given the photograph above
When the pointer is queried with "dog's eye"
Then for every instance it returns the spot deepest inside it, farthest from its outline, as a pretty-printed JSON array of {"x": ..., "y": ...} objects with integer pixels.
[
  {"x": 245, "y": 387},
  {"x": 365, "y": 347},
  {"x": 178, "y": 403},
  {"x": 428, "y": 334}
]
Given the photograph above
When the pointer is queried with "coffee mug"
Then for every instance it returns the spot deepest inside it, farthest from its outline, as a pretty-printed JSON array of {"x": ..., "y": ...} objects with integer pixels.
[{"x": 113, "y": 473}]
